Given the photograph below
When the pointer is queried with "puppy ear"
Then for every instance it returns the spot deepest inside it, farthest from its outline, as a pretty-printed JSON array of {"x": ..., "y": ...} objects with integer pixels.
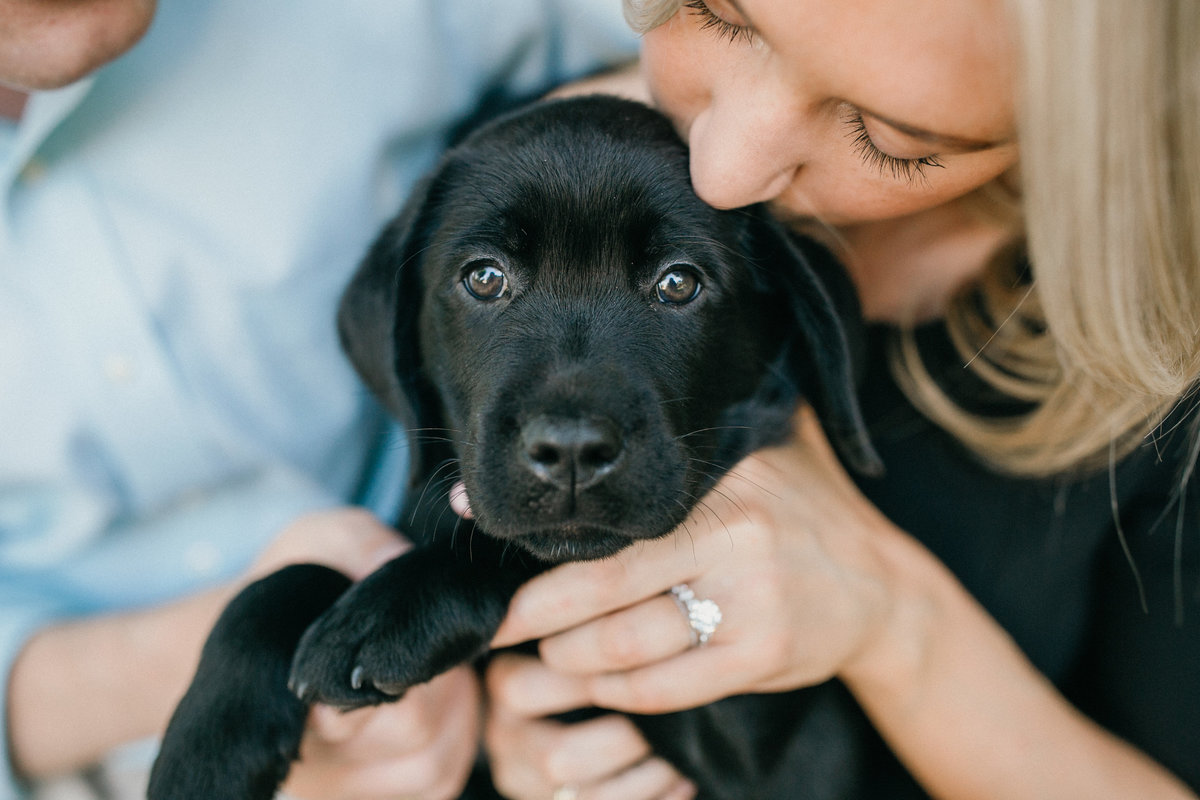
[
  {"x": 826, "y": 355},
  {"x": 378, "y": 316}
]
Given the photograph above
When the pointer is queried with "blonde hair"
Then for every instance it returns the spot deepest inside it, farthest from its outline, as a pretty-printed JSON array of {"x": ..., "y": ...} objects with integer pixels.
[
  {"x": 1105, "y": 339},
  {"x": 642, "y": 15}
]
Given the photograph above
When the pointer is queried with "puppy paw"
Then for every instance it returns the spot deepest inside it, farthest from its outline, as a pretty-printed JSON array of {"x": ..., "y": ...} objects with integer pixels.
[
  {"x": 354, "y": 655},
  {"x": 237, "y": 729},
  {"x": 209, "y": 759},
  {"x": 413, "y": 619}
]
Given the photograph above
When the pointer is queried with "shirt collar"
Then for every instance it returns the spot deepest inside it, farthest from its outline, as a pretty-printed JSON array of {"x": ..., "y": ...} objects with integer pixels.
[{"x": 43, "y": 113}]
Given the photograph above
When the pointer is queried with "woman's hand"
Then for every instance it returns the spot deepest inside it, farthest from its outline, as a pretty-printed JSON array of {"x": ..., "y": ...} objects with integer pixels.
[
  {"x": 782, "y": 545},
  {"x": 532, "y": 756},
  {"x": 814, "y": 583},
  {"x": 785, "y": 545}
]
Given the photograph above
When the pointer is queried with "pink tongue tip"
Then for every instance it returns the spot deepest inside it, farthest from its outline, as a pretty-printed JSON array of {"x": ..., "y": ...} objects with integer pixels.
[{"x": 459, "y": 502}]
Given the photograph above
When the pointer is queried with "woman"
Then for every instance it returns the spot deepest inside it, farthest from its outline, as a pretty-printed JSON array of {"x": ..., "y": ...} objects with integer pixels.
[{"x": 1014, "y": 605}]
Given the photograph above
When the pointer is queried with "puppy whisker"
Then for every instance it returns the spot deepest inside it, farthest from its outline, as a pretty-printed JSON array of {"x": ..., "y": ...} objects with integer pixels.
[
  {"x": 458, "y": 521},
  {"x": 739, "y": 475},
  {"x": 713, "y": 429},
  {"x": 445, "y": 435},
  {"x": 707, "y": 510},
  {"x": 452, "y": 463},
  {"x": 685, "y": 526},
  {"x": 734, "y": 501},
  {"x": 432, "y": 526}
]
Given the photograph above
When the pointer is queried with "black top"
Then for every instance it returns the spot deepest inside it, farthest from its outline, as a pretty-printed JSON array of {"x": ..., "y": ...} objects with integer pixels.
[{"x": 1047, "y": 560}]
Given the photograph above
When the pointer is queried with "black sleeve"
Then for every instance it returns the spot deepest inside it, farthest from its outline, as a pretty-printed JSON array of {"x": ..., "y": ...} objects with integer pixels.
[{"x": 1140, "y": 673}]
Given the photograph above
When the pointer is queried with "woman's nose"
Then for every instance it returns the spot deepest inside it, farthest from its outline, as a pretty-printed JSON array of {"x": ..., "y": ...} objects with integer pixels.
[{"x": 743, "y": 153}]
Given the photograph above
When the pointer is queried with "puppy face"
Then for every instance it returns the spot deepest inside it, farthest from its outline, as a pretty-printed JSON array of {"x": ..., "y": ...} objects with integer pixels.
[
  {"x": 585, "y": 329},
  {"x": 596, "y": 343}
]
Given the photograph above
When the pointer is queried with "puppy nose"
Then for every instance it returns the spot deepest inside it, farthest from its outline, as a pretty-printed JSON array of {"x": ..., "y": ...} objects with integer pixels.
[{"x": 572, "y": 454}]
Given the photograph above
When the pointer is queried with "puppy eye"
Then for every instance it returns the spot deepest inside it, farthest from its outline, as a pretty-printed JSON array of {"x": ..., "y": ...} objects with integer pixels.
[
  {"x": 485, "y": 280},
  {"x": 678, "y": 286}
]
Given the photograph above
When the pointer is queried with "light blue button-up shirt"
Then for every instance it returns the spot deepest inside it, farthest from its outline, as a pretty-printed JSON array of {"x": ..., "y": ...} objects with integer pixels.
[{"x": 174, "y": 234}]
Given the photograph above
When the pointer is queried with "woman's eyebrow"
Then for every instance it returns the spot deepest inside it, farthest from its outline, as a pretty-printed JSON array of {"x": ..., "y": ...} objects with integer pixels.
[{"x": 940, "y": 140}]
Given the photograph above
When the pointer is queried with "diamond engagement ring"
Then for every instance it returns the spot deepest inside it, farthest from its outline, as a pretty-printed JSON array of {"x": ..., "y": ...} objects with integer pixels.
[{"x": 703, "y": 616}]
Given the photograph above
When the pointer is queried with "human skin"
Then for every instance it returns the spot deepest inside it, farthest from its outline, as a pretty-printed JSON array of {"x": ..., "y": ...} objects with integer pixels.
[
  {"x": 47, "y": 44},
  {"x": 772, "y": 119},
  {"x": 82, "y": 687},
  {"x": 813, "y": 581}
]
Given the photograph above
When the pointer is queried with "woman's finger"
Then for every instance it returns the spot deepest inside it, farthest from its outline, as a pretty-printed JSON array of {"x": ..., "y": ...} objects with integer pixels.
[
  {"x": 602, "y": 758},
  {"x": 574, "y": 593},
  {"x": 697, "y": 677},
  {"x": 591, "y": 751},
  {"x": 633, "y": 637},
  {"x": 516, "y": 746},
  {"x": 652, "y": 779},
  {"x": 523, "y": 685},
  {"x": 727, "y": 523}
]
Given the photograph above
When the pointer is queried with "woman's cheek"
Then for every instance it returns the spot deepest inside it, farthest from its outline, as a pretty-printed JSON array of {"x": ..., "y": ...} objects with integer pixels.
[{"x": 841, "y": 190}]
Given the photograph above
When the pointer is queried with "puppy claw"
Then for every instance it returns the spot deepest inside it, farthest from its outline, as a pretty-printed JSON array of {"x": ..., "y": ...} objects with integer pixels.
[
  {"x": 394, "y": 690},
  {"x": 358, "y": 680}
]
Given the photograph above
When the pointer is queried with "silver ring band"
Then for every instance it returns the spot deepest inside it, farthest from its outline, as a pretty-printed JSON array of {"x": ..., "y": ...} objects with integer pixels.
[
  {"x": 703, "y": 616},
  {"x": 565, "y": 792}
]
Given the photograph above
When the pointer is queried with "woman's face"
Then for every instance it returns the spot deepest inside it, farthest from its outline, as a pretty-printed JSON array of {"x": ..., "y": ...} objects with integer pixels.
[{"x": 850, "y": 111}]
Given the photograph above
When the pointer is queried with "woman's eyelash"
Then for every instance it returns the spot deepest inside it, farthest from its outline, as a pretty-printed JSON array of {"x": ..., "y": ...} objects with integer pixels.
[
  {"x": 723, "y": 28},
  {"x": 908, "y": 169}
]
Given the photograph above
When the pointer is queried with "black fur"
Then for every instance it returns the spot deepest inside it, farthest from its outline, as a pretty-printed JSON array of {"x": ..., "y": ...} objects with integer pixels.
[{"x": 583, "y": 408}]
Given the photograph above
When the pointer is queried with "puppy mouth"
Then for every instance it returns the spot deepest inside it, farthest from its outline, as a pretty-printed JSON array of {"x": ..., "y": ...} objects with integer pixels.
[
  {"x": 573, "y": 543},
  {"x": 559, "y": 528}
]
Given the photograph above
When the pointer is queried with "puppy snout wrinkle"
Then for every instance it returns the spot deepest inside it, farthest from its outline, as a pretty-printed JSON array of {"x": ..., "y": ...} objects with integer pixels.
[{"x": 571, "y": 453}]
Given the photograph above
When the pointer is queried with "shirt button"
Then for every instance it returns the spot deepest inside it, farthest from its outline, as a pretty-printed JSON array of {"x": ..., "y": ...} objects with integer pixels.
[
  {"x": 202, "y": 558},
  {"x": 119, "y": 368}
]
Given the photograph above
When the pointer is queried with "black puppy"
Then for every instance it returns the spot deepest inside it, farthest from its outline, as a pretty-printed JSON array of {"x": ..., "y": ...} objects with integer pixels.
[{"x": 565, "y": 326}]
